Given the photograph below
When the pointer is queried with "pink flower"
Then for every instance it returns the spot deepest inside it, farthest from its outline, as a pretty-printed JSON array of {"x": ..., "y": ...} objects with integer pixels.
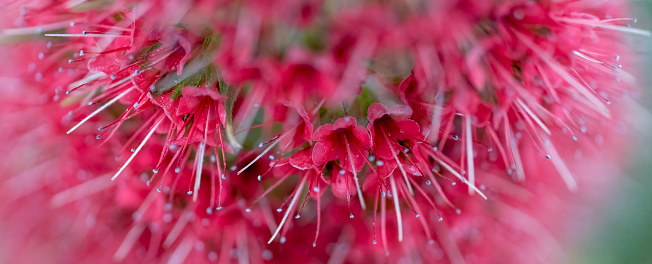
[{"x": 205, "y": 114}]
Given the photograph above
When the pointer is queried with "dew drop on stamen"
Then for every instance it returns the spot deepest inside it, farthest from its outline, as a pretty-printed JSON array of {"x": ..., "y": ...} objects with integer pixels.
[
  {"x": 297, "y": 217},
  {"x": 133, "y": 150},
  {"x": 279, "y": 210},
  {"x": 167, "y": 217},
  {"x": 372, "y": 158},
  {"x": 176, "y": 170},
  {"x": 418, "y": 216},
  {"x": 267, "y": 254},
  {"x": 155, "y": 171},
  {"x": 209, "y": 210},
  {"x": 342, "y": 172},
  {"x": 212, "y": 256},
  {"x": 380, "y": 163},
  {"x": 223, "y": 176},
  {"x": 271, "y": 157},
  {"x": 248, "y": 210},
  {"x": 283, "y": 240},
  {"x": 98, "y": 137},
  {"x": 112, "y": 77},
  {"x": 316, "y": 189},
  {"x": 259, "y": 177},
  {"x": 158, "y": 189},
  {"x": 351, "y": 216},
  {"x": 428, "y": 182},
  {"x": 441, "y": 219},
  {"x": 453, "y": 183},
  {"x": 189, "y": 192},
  {"x": 218, "y": 208},
  {"x": 314, "y": 244}
]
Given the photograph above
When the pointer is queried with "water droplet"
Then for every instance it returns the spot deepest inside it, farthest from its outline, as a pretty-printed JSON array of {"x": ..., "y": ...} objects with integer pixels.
[
  {"x": 441, "y": 219},
  {"x": 233, "y": 168},
  {"x": 418, "y": 216},
  {"x": 218, "y": 208},
  {"x": 435, "y": 148},
  {"x": 453, "y": 183},
  {"x": 133, "y": 150},
  {"x": 41, "y": 55},
  {"x": 279, "y": 210},
  {"x": 260, "y": 145},
  {"x": 259, "y": 177},
  {"x": 155, "y": 171},
  {"x": 267, "y": 255},
  {"x": 271, "y": 157},
  {"x": 81, "y": 53},
  {"x": 351, "y": 216},
  {"x": 212, "y": 256},
  {"x": 98, "y": 137},
  {"x": 380, "y": 163},
  {"x": 248, "y": 210},
  {"x": 314, "y": 244},
  {"x": 209, "y": 210},
  {"x": 490, "y": 149},
  {"x": 547, "y": 156},
  {"x": 189, "y": 192},
  {"x": 372, "y": 158},
  {"x": 136, "y": 105},
  {"x": 428, "y": 182},
  {"x": 158, "y": 189},
  {"x": 316, "y": 189},
  {"x": 297, "y": 217},
  {"x": 283, "y": 240},
  {"x": 375, "y": 242},
  {"x": 342, "y": 172},
  {"x": 223, "y": 177},
  {"x": 176, "y": 170},
  {"x": 458, "y": 211}
]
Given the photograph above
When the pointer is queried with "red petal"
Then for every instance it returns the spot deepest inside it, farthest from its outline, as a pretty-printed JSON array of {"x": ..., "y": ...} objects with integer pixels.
[
  {"x": 302, "y": 159},
  {"x": 321, "y": 152}
]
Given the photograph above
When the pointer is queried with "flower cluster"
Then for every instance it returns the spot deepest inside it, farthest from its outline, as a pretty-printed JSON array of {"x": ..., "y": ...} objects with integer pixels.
[{"x": 242, "y": 130}]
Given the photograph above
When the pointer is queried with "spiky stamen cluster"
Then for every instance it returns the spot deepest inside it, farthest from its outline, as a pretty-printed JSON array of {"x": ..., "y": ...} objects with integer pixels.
[{"x": 451, "y": 92}]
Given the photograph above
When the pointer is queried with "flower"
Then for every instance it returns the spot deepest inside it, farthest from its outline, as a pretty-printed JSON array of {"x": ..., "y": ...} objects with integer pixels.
[{"x": 456, "y": 113}]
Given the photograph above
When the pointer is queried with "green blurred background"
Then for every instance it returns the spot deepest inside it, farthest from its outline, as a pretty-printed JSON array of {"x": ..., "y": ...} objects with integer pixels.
[{"x": 623, "y": 232}]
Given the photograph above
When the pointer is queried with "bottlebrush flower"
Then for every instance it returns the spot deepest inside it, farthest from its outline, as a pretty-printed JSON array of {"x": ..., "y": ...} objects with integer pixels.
[{"x": 457, "y": 113}]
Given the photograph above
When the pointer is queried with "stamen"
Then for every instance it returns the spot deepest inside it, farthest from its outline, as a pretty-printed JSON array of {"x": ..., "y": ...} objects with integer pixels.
[
  {"x": 287, "y": 213},
  {"x": 355, "y": 175},
  {"x": 100, "y": 109},
  {"x": 469, "y": 153},
  {"x": 138, "y": 149},
  {"x": 397, "y": 208},
  {"x": 447, "y": 167}
]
